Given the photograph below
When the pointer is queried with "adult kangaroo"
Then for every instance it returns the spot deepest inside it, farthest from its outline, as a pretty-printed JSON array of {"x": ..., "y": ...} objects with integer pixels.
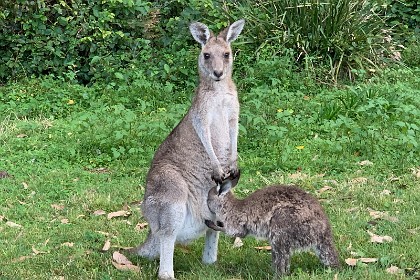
[{"x": 200, "y": 150}]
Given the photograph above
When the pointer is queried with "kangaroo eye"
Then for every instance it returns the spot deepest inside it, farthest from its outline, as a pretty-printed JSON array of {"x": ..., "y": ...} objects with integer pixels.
[
  {"x": 226, "y": 55},
  {"x": 206, "y": 56}
]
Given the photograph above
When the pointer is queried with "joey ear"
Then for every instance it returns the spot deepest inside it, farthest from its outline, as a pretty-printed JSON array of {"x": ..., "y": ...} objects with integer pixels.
[
  {"x": 200, "y": 32},
  {"x": 232, "y": 32},
  {"x": 224, "y": 187},
  {"x": 235, "y": 177}
]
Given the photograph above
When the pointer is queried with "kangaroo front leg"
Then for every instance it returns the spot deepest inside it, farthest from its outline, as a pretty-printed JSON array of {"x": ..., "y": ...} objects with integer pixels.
[
  {"x": 210, "y": 246},
  {"x": 233, "y": 134},
  {"x": 202, "y": 128}
]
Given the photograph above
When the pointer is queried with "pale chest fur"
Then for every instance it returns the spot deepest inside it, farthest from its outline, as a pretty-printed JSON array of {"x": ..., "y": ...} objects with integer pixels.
[{"x": 219, "y": 108}]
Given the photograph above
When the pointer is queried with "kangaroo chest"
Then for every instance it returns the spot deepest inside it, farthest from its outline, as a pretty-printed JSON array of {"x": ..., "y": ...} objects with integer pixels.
[{"x": 223, "y": 118}]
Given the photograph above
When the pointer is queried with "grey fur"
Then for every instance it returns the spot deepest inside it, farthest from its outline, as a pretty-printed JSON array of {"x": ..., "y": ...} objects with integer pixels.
[
  {"x": 288, "y": 217},
  {"x": 200, "y": 150}
]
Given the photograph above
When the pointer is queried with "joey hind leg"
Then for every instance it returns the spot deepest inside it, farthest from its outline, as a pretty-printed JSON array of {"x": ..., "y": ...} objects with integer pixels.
[{"x": 210, "y": 246}]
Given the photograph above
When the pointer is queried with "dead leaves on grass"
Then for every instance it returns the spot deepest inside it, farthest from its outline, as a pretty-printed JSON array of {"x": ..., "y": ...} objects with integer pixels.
[
  {"x": 121, "y": 213},
  {"x": 237, "y": 242},
  {"x": 416, "y": 172},
  {"x": 379, "y": 239},
  {"x": 58, "y": 207},
  {"x": 13, "y": 225},
  {"x": 120, "y": 262},
  {"x": 376, "y": 215},
  {"x": 353, "y": 262},
  {"x": 106, "y": 246}
]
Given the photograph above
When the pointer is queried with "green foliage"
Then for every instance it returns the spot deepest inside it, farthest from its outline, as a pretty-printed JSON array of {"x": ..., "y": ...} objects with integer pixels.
[
  {"x": 404, "y": 14},
  {"x": 342, "y": 34},
  {"x": 66, "y": 162},
  {"x": 78, "y": 40}
]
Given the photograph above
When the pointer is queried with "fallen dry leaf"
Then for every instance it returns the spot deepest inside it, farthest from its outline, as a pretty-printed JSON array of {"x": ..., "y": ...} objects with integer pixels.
[
  {"x": 136, "y": 203},
  {"x": 103, "y": 232},
  {"x": 393, "y": 269},
  {"x": 106, "y": 246},
  {"x": 359, "y": 180},
  {"x": 21, "y": 259},
  {"x": 352, "y": 209},
  {"x": 67, "y": 244},
  {"x": 25, "y": 185},
  {"x": 382, "y": 215},
  {"x": 385, "y": 192},
  {"x": 368, "y": 260},
  {"x": 238, "y": 242},
  {"x": 1, "y": 218},
  {"x": 365, "y": 163},
  {"x": 353, "y": 262},
  {"x": 263, "y": 248},
  {"x": 413, "y": 231},
  {"x": 324, "y": 189},
  {"x": 131, "y": 267},
  {"x": 298, "y": 176},
  {"x": 13, "y": 225},
  {"x": 37, "y": 252},
  {"x": 379, "y": 239},
  {"x": 99, "y": 212},
  {"x": 121, "y": 262},
  {"x": 64, "y": 221},
  {"x": 141, "y": 226},
  {"x": 22, "y": 135},
  {"x": 120, "y": 258},
  {"x": 334, "y": 182},
  {"x": 121, "y": 213},
  {"x": 99, "y": 170},
  {"x": 57, "y": 206},
  {"x": 416, "y": 172}
]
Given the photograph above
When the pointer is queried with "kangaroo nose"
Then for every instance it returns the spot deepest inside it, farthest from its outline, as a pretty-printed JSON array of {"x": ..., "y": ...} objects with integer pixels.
[{"x": 218, "y": 74}]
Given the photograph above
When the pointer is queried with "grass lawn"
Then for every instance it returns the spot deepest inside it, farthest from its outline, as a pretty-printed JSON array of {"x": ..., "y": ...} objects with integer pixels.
[{"x": 355, "y": 148}]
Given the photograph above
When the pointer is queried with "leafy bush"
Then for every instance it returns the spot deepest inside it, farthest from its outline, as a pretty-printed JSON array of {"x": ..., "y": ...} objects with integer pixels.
[
  {"x": 404, "y": 14},
  {"x": 346, "y": 34},
  {"x": 75, "y": 39}
]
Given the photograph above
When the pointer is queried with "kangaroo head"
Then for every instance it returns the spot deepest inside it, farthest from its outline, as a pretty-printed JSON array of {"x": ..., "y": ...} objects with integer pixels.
[{"x": 215, "y": 60}]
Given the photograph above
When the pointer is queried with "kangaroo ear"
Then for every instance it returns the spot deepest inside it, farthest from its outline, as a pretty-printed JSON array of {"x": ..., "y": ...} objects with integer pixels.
[
  {"x": 200, "y": 32},
  {"x": 224, "y": 187},
  {"x": 232, "y": 32}
]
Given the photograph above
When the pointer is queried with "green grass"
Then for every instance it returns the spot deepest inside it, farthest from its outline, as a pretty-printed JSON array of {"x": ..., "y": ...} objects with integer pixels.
[{"x": 292, "y": 131}]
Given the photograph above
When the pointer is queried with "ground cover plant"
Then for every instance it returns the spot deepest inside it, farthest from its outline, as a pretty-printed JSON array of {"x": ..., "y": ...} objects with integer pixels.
[
  {"x": 68, "y": 164},
  {"x": 81, "y": 116}
]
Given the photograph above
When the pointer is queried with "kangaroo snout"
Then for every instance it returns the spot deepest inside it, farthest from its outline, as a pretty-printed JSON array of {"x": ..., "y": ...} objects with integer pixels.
[{"x": 218, "y": 74}]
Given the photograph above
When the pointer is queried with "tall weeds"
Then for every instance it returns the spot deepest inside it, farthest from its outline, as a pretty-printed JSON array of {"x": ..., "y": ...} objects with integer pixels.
[{"x": 347, "y": 33}]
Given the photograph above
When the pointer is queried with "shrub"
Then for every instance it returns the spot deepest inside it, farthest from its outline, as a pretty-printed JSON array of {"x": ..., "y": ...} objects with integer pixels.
[
  {"x": 74, "y": 39},
  {"x": 346, "y": 34}
]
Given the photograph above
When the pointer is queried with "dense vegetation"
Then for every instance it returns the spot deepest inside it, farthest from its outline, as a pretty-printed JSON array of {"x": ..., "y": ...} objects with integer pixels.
[{"x": 329, "y": 99}]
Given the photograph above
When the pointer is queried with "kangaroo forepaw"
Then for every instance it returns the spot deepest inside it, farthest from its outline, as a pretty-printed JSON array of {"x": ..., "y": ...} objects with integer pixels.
[
  {"x": 218, "y": 176},
  {"x": 234, "y": 173}
]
